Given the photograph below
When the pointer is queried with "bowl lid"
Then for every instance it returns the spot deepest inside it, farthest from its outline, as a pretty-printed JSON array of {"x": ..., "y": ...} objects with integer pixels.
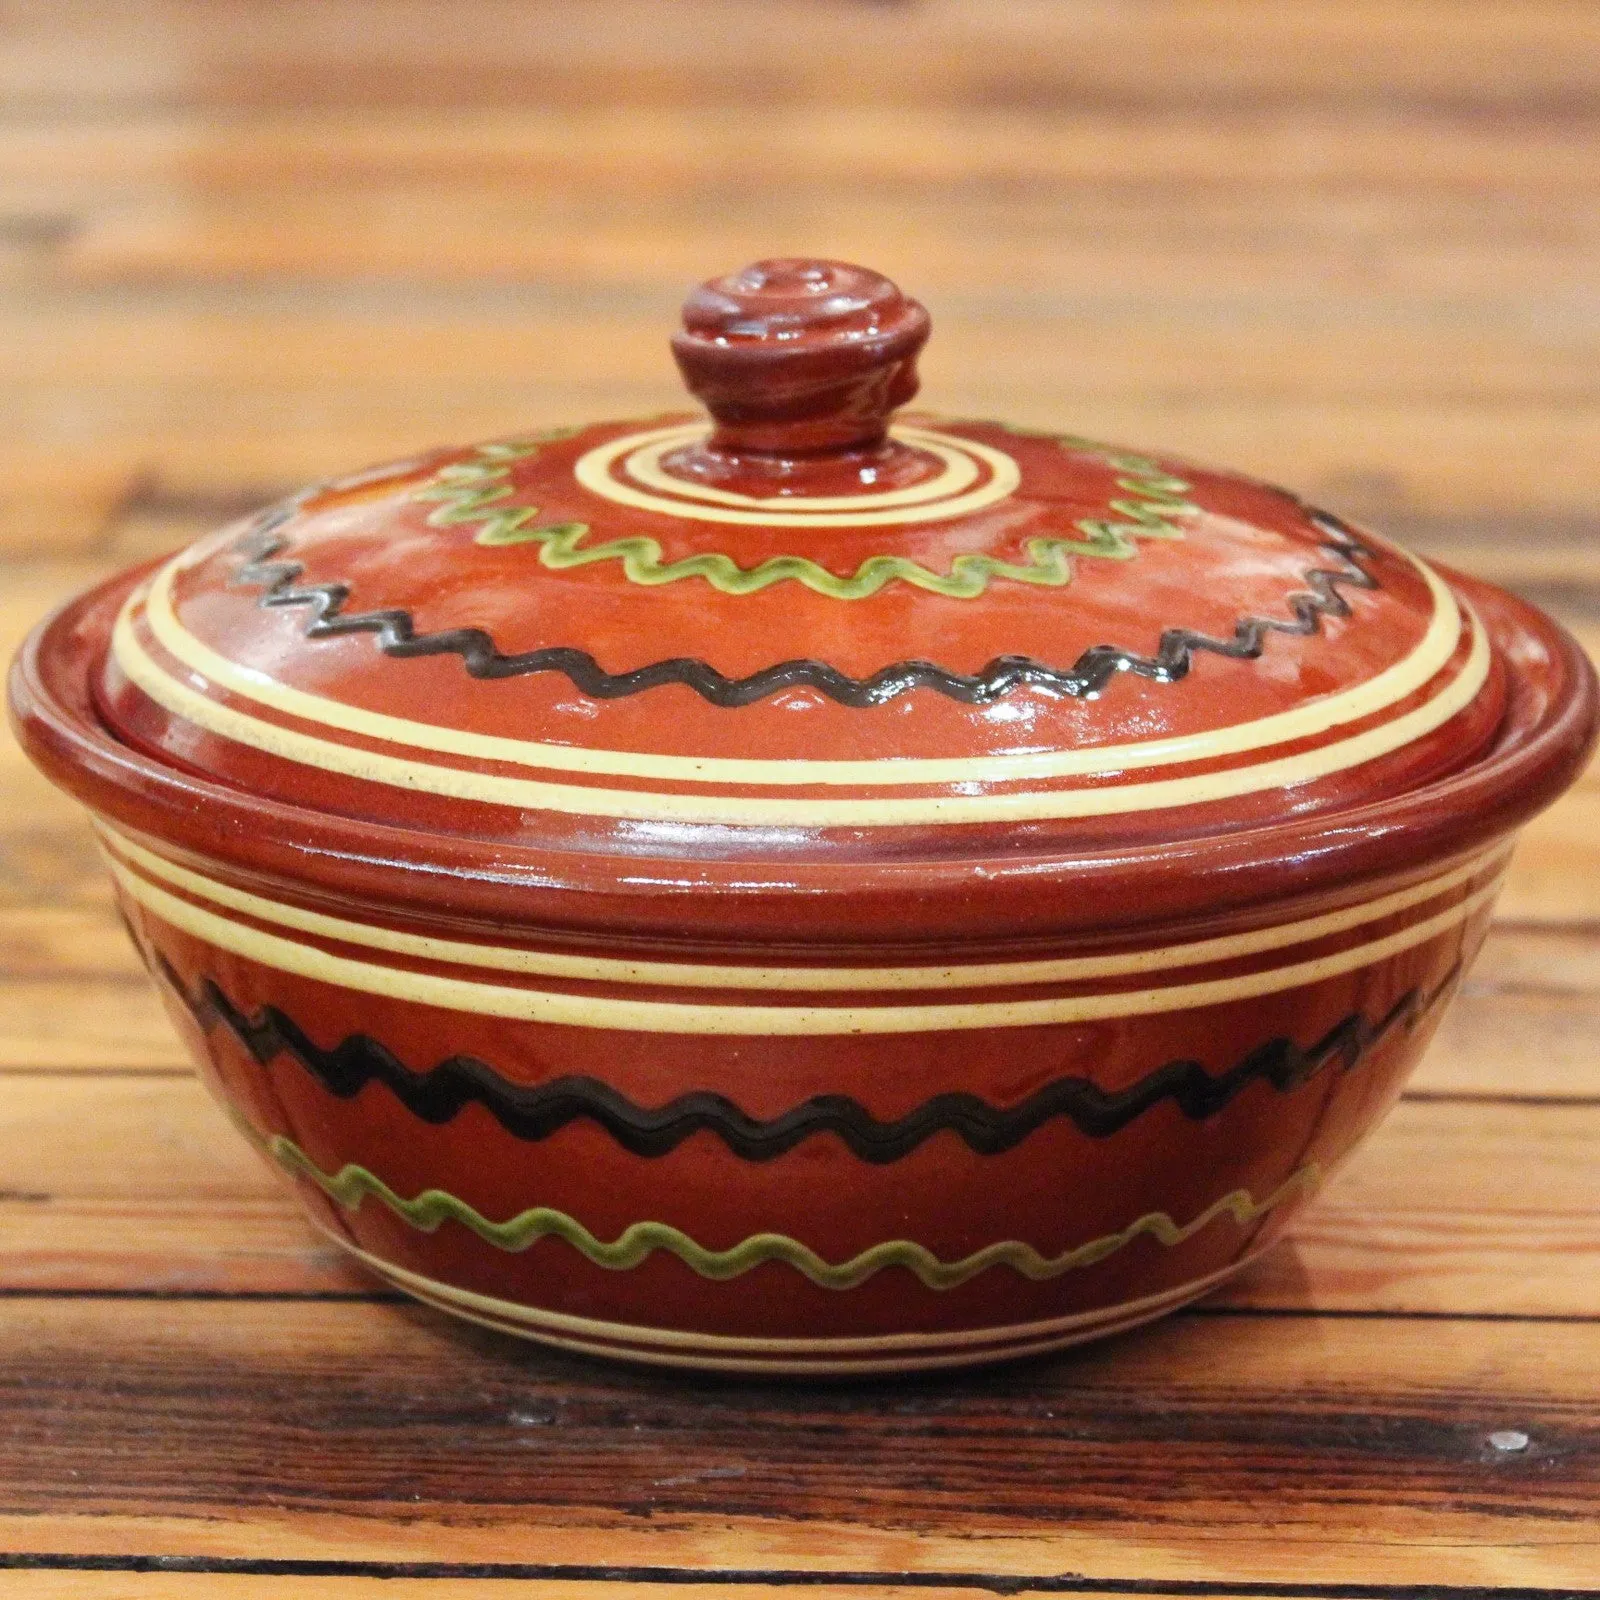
[{"x": 801, "y": 628}]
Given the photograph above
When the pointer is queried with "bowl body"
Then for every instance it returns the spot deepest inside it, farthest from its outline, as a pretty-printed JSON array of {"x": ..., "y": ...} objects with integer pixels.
[{"x": 801, "y": 1168}]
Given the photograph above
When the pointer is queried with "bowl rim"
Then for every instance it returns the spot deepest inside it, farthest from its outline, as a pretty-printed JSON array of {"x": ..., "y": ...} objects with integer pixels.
[{"x": 1547, "y": 732}]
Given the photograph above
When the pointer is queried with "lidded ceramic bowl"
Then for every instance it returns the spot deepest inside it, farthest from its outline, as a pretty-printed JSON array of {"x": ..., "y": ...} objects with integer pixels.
[{"x": 800, "y": 891}]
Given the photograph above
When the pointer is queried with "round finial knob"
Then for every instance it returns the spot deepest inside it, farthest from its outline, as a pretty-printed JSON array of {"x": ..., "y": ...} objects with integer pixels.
[{"x": 794, "y": 356}]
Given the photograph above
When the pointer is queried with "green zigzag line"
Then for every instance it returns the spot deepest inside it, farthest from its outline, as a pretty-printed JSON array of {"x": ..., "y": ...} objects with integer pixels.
[
  {"x": 352, "y": 1185},
  {"x": 471, "y": 491}
]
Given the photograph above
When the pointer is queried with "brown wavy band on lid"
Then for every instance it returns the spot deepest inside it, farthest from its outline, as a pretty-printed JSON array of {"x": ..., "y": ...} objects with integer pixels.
[
  {"x": 798, "y": 356},
  {"x": 399, "y": 638}
]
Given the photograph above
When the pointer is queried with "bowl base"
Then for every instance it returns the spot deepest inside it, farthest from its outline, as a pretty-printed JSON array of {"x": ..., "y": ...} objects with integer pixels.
[{"x": 804, "y": 1358}]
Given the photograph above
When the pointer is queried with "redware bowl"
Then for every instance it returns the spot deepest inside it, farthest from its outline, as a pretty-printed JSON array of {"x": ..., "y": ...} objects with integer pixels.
[{"x": 971, "y": 917}]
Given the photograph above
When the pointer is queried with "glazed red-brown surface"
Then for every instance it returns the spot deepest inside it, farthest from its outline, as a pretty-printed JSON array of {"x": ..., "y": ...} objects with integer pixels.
[
  {"x": 805, "y": 356},
  {"x": 1055, "y": 1188},
  {"x": 1245, "y": 556}
]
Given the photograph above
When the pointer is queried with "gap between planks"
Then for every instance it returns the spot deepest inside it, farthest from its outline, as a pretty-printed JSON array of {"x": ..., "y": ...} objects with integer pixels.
[{"x": 51, "y": 1576}]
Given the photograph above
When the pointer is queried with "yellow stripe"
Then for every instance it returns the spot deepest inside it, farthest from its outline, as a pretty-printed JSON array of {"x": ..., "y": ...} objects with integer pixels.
[
  {"x": 593, "y": 471},
  {"x": 662, "y": 1016},
  {"x": 652, "y": 805},
  {"x": 798, "y": 1367},
  {"x": 1403, "y": 678},
  {"x": 971, "y": 1342},
  {"x": 684, "y": 974},
  {"x": 849, "y": 1366},
  {"x": 960, "y": 470}
]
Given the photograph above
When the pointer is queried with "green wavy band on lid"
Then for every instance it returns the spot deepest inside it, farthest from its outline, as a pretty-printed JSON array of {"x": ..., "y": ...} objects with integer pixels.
[
  {"x": 352, "y": 1185},
  {"x": 473, "y": 491}
]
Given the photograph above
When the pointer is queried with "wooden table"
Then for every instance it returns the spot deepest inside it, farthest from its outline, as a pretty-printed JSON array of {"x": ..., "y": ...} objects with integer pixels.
[{"x": 1351, "y": 245}]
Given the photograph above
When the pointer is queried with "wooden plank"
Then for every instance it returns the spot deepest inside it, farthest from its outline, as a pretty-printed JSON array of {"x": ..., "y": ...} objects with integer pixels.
[
  {"x": 66, "y": 942},
  {"x": 138, "y": 1184},
  {"x": 63, "y": 517},
  {"x": 937, "y": 244},
  {"x": 1441, "y": 459},
  {"x": 1450, "y": 1208},
  {"x": 126, "y": 1140},
  {"x": 114, "y": 1023},
  {"x": 33, "y": 588},
  {"x": 1533, "y": 967},
  {"x": 1555, "y": 963},
  {"x": 1097, "y": 185},
  {"x": 1248, "y": 53},
  {"x": 1555, "y": 874},
  {"x": 1148, "y": 348},
  {"x": 712, "y": 148},
  {"x": 173, "y": 1246},
  {"x": 1554, "y": 561},
  {"x": 1229, "y": 1449},
  {"x": 47, "y": 857},
  {"x": 1506, "y": 1042}
]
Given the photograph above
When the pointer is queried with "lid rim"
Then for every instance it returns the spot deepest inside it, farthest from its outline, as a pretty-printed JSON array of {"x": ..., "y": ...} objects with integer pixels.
[{"x": 945, "y": 901}]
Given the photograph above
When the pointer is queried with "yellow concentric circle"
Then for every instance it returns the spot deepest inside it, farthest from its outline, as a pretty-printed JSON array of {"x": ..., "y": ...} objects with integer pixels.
[{"x": 972, "y": 476}]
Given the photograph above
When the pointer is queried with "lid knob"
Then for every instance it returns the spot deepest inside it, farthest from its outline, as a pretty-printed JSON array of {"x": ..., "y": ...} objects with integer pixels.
[{"x": 798, "y": 357}]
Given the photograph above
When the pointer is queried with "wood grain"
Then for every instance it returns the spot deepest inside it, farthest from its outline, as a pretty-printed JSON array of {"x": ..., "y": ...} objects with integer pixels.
[
  {"x": 209, "y": 1584},
  {"x": 1536, "y": 58},
  {"x": 173, "y": 1579},
  {"x": 1349, "y": 245},
  {"x": 326, "y": 1428}
]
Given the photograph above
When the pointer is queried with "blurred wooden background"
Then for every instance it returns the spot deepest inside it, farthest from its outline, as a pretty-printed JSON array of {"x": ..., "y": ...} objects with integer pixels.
[{"x": 1351, "y": 246}]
